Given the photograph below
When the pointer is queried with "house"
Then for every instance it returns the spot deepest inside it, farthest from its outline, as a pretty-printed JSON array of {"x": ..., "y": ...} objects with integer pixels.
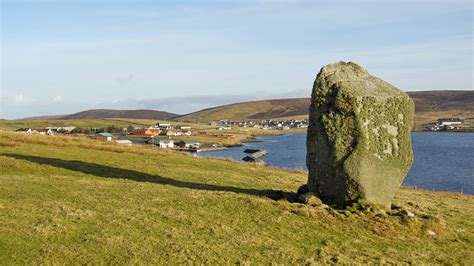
[
  {"x": 163, "y": 125},
  {"x": 42, "y": 131},
  {"x": 183, "y": 127},
  {"x": 173, "y": 133},
  {"x": 54, "y": 129},
  {"x": 66, "y": 130},
  {"x": 449, "y": 121},
  {"x": 176, "y": 132},
  {"x": 24, "y": 130},
  {"x": 124, "y": 142},
  {"x": 104, "y": 136},
  {"x": 166, "y": 143},
  {"x": 146, "y": 131}
]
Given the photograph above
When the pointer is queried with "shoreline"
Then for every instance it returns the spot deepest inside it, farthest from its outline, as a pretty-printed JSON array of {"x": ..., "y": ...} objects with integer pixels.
[{"x": 254, "y": 139}]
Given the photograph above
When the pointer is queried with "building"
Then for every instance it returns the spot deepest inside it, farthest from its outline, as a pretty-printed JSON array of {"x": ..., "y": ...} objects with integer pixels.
[
  {"x": 42, "y": 131},
  {"x": 183, "y": 127},
  {"x": 104, "y": 136},
  {"x": 163, "y": 126},
  {"x": 449, "y": 121},
  {"x": 166, "y": 143},
  {"x": 65, "y": 130},
  {"x": 24, "y": 130},
  {"x": 175, "y": 132},
  {"x": 146, "y": 131}
]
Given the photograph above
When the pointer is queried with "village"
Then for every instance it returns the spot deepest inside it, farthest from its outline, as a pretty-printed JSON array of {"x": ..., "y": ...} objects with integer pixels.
[
  {"x": 167, "y": 135},
  {"x": 180, "y": 137},
  {"x": 161, "y": 135},
  {"x": 263, "y": 124}
]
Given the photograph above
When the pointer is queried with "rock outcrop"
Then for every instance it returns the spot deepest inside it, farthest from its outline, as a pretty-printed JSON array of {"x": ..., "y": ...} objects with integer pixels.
[{"x": 358, "y": 143}]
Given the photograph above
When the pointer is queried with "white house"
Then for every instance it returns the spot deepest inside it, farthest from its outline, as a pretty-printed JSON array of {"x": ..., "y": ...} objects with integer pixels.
[
  {"x": 166, "y": 143},
  {"x": 42, "y": 131},
  {"x": 449, "y": 121}
]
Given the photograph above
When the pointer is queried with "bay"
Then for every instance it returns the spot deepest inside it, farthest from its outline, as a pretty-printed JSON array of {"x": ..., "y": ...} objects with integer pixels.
[{"x": 444, "y": 161}]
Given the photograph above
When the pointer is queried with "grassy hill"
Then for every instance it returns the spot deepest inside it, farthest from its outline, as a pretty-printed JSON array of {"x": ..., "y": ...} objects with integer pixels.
[
  {"x": 430, "y": 105},
  {"x": 266, "y": 109},
  {"x": 75, "y": 201},
  {"x": 106, "y": 113}
]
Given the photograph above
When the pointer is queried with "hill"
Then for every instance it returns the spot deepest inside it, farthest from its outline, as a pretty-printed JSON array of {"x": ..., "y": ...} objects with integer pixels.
[
  {"x": 265, "y": 109},
  {"x": 437, "y": 101},
  {"x": 442, "y": 102},
  {"x": 107, "y": 113},
  {"x": 67, "y": 200}
]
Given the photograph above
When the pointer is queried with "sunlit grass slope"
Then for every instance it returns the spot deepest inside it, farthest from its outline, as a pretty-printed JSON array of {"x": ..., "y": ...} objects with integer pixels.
[
  {"x": 72, "y": 201},
  {"x": 11, "y": 125}
]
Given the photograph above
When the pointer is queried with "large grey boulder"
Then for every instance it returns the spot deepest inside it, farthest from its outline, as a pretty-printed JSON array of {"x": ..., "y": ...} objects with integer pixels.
[{"x": 358, "y": 143}]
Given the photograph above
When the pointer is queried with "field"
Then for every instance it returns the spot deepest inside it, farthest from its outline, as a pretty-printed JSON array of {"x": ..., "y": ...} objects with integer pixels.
[
  {"x": 202, "y": 132},
  {"x": 11, "y": 125},
  {"x": 67, "y": 200}
]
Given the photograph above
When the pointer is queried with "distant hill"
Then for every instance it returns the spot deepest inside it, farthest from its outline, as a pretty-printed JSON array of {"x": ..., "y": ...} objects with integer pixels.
[
  {"x": 425, "y": 101},
  {"x": 430, "y": 105},
  {"x": 434, "y": 101},
  {"x": 265, "y": 109},
  {"x": 106, "y": 113}
]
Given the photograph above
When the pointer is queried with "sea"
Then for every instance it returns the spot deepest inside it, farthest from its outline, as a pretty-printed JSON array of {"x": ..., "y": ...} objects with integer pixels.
[{"x": 444, "y": 161}]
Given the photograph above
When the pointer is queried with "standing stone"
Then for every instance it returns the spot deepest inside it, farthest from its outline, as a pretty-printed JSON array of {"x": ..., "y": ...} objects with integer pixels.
[{"x": 358, "y": 143}]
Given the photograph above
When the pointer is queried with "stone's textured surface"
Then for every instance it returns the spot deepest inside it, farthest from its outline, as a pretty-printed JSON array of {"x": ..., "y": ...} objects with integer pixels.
[{"x": 358, "y": 144}]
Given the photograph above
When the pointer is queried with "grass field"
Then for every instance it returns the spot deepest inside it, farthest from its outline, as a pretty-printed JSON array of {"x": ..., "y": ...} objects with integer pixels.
[
  {"x": 11, "y": 125},
  {"x": 202, "y": 132},
  {"x": 73, "y": 201}
]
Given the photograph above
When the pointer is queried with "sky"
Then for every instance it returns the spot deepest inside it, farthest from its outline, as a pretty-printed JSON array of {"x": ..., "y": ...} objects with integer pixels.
[{"x": 60, "y": 57}]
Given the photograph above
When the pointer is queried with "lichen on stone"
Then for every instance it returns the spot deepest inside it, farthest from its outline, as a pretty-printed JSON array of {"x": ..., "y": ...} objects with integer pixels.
[{"x": 358, "y": 144}]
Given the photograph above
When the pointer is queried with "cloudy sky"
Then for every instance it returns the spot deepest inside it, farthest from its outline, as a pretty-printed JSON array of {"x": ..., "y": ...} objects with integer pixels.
[{"x": 180, "y": 56}]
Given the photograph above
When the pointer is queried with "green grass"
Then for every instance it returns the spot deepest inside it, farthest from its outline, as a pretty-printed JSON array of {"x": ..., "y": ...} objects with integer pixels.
[
  {"x": 67, "y": 200},
  {"x": 11, "y": 125}
]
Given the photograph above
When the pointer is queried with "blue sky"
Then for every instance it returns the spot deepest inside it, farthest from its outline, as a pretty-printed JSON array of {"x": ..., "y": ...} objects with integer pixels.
[{"x": 180, "y": 56}]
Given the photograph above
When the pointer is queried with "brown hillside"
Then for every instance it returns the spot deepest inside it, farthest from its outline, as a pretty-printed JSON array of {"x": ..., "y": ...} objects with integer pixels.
[
  {"x": 429, "y": 101},
  {"x": 106, "y": 113},
  {"x": 429, "y": 105}
]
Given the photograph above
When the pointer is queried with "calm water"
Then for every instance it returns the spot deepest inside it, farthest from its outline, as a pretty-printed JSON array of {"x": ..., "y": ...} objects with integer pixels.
[{"x": 443, "y": 161}]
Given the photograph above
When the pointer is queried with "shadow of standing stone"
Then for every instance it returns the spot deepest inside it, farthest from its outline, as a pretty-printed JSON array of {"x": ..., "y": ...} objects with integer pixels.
[{"x": 358, "y": 142}]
